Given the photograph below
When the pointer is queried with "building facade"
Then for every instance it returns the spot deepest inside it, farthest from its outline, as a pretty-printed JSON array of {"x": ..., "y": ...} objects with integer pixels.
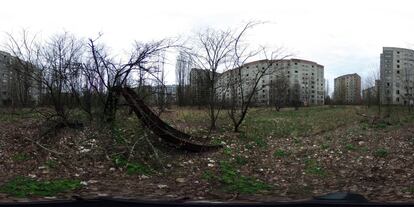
[
  {"x": 397, "y": 76},
  {"x": 347, "y": 89},
  {"x": 19, "y": 85},
  {"x": 304, "y": 78},
  {"x": 370, "y": 95}
]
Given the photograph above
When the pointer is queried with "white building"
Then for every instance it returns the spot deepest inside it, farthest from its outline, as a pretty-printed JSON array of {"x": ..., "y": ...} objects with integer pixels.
[
  {"x": 347, "y": 89},
  {"x": 306, "y": 76},
  {"x": 397, "y": 75}
]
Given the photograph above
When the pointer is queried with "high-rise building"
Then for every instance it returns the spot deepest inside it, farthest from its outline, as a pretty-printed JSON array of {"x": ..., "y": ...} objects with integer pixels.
[
  {"x": 397, "y": 76},
  {"x": 347, "y": 89},
  {"x": 304, "y": 78},
  {"x": 22, "y": 87},
  {"x": 370, "y": 95}
]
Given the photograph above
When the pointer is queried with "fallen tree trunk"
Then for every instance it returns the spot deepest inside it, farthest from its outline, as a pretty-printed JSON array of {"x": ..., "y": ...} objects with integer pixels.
[{"x": 169, "y": 134}]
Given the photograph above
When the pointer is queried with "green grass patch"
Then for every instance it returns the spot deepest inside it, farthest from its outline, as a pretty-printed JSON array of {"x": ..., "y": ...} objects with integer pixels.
[
  {"x": 132, "y": 168},
  {"x": 232, "y": 181},
  {"x": 240, "y": 160},
  {"x": 350, "y": 147},
  {"x": 312, "y": 167},
  {"x": 381, "y": 152},
  {"x": 20, "y": 157},
  {"x": 409, "y": 190},
  {"x": 235, "y": 182},
  {"x": 51, "y": 164},
  {"x": 280, "y": 153},
  {"x": 26, "y": 187},
  {"x": 324, "y": 146}
]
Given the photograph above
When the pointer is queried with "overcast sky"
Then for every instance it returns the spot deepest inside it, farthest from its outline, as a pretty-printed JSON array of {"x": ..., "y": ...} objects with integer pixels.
[{"x": 345, "y": 36}]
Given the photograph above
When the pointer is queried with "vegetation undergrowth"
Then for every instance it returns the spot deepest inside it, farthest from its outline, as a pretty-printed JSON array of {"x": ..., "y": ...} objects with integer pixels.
[
  {"x": 233, "y": 181},
  {"x": 132, "y": 168},
  {"x": 24, "y": 187}
]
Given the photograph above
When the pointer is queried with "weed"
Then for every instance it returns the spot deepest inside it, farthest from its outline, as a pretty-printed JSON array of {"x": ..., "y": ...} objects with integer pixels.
[
  {"x": 382, "y": 152},
  {"x": 51, "y": 164},
  {"x": 312, "y": 167},
  {"x": 324, "y": 146},
  {"x": 234, "y": 182},
  {"x": 227, "y": 150},
  {"x": 19, "y": 157},
  {"x": 208, "y": 175},
  {"x": 215, "y": 141},
  {"x": 350, "y": 147},
  {"x": 409, "y": 190},
  {"x": 132, "y": 167},
  {"x": 23, "y": 187},
  {"x": 138, "y": 168},
  {"x": 241, "y": 160},
  {"x": 296, "y": 140},
  {"x": 280, "y": 153}
]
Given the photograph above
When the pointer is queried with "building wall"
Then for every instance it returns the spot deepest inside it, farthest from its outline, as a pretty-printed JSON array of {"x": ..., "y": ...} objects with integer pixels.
[
  {"x": 347, "y": 89},
  {"x": 307, "y": 74},
  {"x": 5, "y": 78},
  {"x": 397, "y": 74},
  {"x": 11, "y": 83}
]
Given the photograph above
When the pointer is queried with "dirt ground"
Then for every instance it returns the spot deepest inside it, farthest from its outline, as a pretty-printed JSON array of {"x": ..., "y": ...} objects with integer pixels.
[{"x": 377, "y": 163}]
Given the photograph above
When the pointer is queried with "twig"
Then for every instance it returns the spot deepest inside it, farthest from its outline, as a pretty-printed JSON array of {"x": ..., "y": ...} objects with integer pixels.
[
  {"x": 43, "y": 147},
  {"x": 132, "y": 149},
  {"x": 157, "y": 157}
]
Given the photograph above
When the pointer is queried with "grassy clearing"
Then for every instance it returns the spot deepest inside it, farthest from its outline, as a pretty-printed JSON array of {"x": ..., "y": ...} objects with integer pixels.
[
  {"x": 12, "y": 116},
  {"x": 25, "y": 187}
]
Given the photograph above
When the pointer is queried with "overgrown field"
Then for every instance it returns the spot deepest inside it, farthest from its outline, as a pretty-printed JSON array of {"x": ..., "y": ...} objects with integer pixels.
[{"x": 276, "y": 156}]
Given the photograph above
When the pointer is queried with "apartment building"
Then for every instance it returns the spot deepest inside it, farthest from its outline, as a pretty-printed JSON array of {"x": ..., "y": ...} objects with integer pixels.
[
  {"x": 347, "y": 89},
  {"x": 17, "y": 88},
  {"x": 306, "y": 78},
  {"x": 397, "y": 76},
  {"x": 5, "y": 76},
  {"x": 370, "y": 95}
]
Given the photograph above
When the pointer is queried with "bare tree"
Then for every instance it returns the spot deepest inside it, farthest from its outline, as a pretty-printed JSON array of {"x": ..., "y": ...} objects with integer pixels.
[
  {"x": 294, "y": 95},
  {"x": 25, "y": 53},
  {"x": 216, "y": 51},
  {"x": 105, "y": 75},
  {"x": 182, "y": 76},
  {"x": 279, "y": 91},
  {"x": 52, "y": 63}
]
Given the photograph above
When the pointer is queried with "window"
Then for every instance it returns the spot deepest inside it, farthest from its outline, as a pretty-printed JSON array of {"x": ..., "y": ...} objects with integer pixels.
[
  {"x": 398, "y": 61},
  {"x": 398, "y": 52},
  {"x": 398, "y": 99},
  {"x": 398, "y": 66},
  {"x": 398, "y": 91},
  {"x": 296, "y": 63},
  {"x": 296, "y": 71},
  {"x": 398, "y": 72}
]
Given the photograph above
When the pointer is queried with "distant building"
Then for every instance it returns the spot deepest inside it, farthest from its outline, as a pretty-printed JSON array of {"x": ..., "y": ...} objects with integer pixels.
[
  {"x": 200, "y": 86},
  {"x": 370, "y": 95},
  {"x": 397, "y": 75},
  {"x": 306, "y": 78},
  {"x": 17, "y": 84},
  {"x": 347, "y": 89}
]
